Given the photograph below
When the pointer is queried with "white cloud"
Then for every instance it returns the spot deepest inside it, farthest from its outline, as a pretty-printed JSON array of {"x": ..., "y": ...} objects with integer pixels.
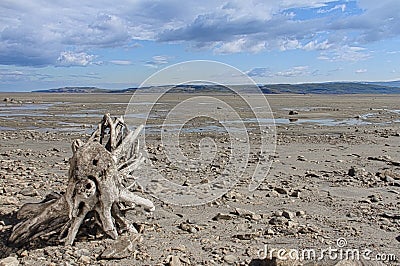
[
  {"x": 361, "y": 71},
  {"x": 240, "y": 45},
  {"x": 294, "y": 72},
  {"x": 68, "y": 58},
  {"x": 121, "y": 62},
  {"x": 336, "y": 7},
  {"x": 157, "y": 61},
  {"x": 315, "y": 45},
  {"x": 289, "y": 45},
  {"x": 12, "y": 75},
  {"x": 345, "y": 53},
  {"x": 259, "y": 72},
  {"x": 35, "y": 33}
]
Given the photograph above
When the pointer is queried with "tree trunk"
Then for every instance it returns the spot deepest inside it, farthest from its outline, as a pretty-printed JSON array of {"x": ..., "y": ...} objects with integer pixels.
[{"x": 98, "y": 169}]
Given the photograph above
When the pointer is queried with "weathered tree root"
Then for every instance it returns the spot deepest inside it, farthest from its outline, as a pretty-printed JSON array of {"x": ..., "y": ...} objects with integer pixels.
[{"x": 98, "y": 171}]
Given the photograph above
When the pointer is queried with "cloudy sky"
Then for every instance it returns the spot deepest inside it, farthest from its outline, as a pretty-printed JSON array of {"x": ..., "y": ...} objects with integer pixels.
[{"x": 118, "y": 44}]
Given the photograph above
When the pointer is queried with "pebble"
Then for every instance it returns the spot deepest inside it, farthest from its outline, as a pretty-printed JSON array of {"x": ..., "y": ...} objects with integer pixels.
[
  {"x": 188, "y": 228},
  {"x": 277, "y": 221},
  {"x": 288, "y": 214},
  {"x": 375, "y": 198},
  {"x": 119, "y": 249},
  {"x": 243, "y": 212},
  {"x": 84, "y": 259},
  {"x": 300, "y": 213},
  {"x": 230, "y": 259},
  {"x": 9, "y": 261},
  {"x": 295, "y": 194},
  {"x": 269, "y": 231},
  {"x": 352, "y": 172},
  {"x": 301, "y": 158},
  {"x": 10, "y": 201},
  {"x": 173, "y": 260},
  {"x": 281, "y": 190},
  {"x": 29, "y": 192},
  {"x": 181, "y": 248},
  {"x": 223, "y": 216}
]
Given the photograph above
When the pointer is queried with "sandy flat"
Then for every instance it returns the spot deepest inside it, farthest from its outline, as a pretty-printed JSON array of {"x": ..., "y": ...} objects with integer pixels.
[{"x": 335, "y": 174}]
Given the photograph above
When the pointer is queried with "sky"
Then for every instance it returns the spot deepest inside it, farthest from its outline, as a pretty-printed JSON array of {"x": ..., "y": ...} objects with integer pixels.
[{"x": 118, "y": 44}]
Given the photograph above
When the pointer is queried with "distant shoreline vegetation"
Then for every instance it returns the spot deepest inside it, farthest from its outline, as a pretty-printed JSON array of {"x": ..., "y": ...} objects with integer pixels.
[{"x": 304, "y": 88}]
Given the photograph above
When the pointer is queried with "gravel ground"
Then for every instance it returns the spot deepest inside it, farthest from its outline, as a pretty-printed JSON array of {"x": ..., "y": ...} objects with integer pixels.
[{"x": 334, "y": 183}]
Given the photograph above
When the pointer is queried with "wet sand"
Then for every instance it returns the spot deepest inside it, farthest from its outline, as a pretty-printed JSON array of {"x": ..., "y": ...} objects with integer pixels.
[{"x": 335, "y": 174}]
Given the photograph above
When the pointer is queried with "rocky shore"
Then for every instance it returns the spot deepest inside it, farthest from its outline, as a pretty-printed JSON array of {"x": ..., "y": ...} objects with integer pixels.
[{"x": 334, "y": 183}]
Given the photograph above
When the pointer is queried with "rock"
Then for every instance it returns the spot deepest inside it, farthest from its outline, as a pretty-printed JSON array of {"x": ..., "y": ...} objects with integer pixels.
[
  {"x": 311, "y": 173},
  {"x": 243, "y": 212},
  {"x": 9, "y": 261},
  {"x": 230, "y": 259},
  {"x": 269, "y": 231},
  {"x": 121, "y": 248},
  {"x": 29, "y": 192},
  {"x": 222, "y": 216},
  {"x": 188, "y": 228},
  {"x": 281, "y": 190},
  {"x": 272, "y": 194},
  {"x": 375, "y": 198},
  {"x": 181, "y": 248},
  {"x": 388, "y": 176},
  {"x": 277, "y": 221},
  {"x": 84, "y": 259},
  {"x": 24, "y": 253},
  {"x": 173, "y": 260},
  {"x": 391, "y": 215},
  {"x": 292, "y": 224},
  {"x": 300, "y": 213},
  {"x": 352, "y": 171},
  {"x": 9, "y": 201},
  {"x": 245, "y": 236},
  {"x": 288, "y": 214},
  {"x": 301, "y": 158},
  {"x": 256, "y": 217},
  {"x": 81, "y": 252}
]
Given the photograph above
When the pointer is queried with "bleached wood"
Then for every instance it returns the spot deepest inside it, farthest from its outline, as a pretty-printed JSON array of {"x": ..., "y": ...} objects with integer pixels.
[{"x": 98, "y": 169}]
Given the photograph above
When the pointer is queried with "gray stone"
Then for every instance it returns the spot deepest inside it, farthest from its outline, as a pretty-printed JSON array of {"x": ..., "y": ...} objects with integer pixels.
[
  {"x": 281, "y": 190},
  {"x": 173, "y": 260},
  {"x": 9, "y": 261},
  {"x": 29, "y": 192},
  {"x": 223, "y": 216},
  {"x": 288, "y": 214},
  {"x": 121, "y": 248},
  {"x": 230, "y": 259}
]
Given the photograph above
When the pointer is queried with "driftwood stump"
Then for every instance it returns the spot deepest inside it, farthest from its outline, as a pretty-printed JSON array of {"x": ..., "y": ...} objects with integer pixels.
[{"x": 98, "y": 173}]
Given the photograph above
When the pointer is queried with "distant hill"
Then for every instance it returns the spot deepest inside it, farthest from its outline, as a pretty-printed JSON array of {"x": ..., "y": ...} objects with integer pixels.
[
  {"x": 331, "y": 88},
  {"x": 392, "y": 87},
  {"x": 76, "y": 90},
  {"x": 395, "y": 83}
]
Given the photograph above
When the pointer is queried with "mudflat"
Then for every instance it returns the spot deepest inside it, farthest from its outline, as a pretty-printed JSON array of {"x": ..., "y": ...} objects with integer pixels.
[{"x": 333, "y": 181}]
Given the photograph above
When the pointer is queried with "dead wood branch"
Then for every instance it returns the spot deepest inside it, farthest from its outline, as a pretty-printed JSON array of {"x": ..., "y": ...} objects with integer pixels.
[{"x": 98, "y": 171}]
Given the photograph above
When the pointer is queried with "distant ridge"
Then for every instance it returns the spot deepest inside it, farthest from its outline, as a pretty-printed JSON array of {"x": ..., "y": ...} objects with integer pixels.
[
  {"x": 392, "y": 87},
  {"x": 76, "y": 90}
]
